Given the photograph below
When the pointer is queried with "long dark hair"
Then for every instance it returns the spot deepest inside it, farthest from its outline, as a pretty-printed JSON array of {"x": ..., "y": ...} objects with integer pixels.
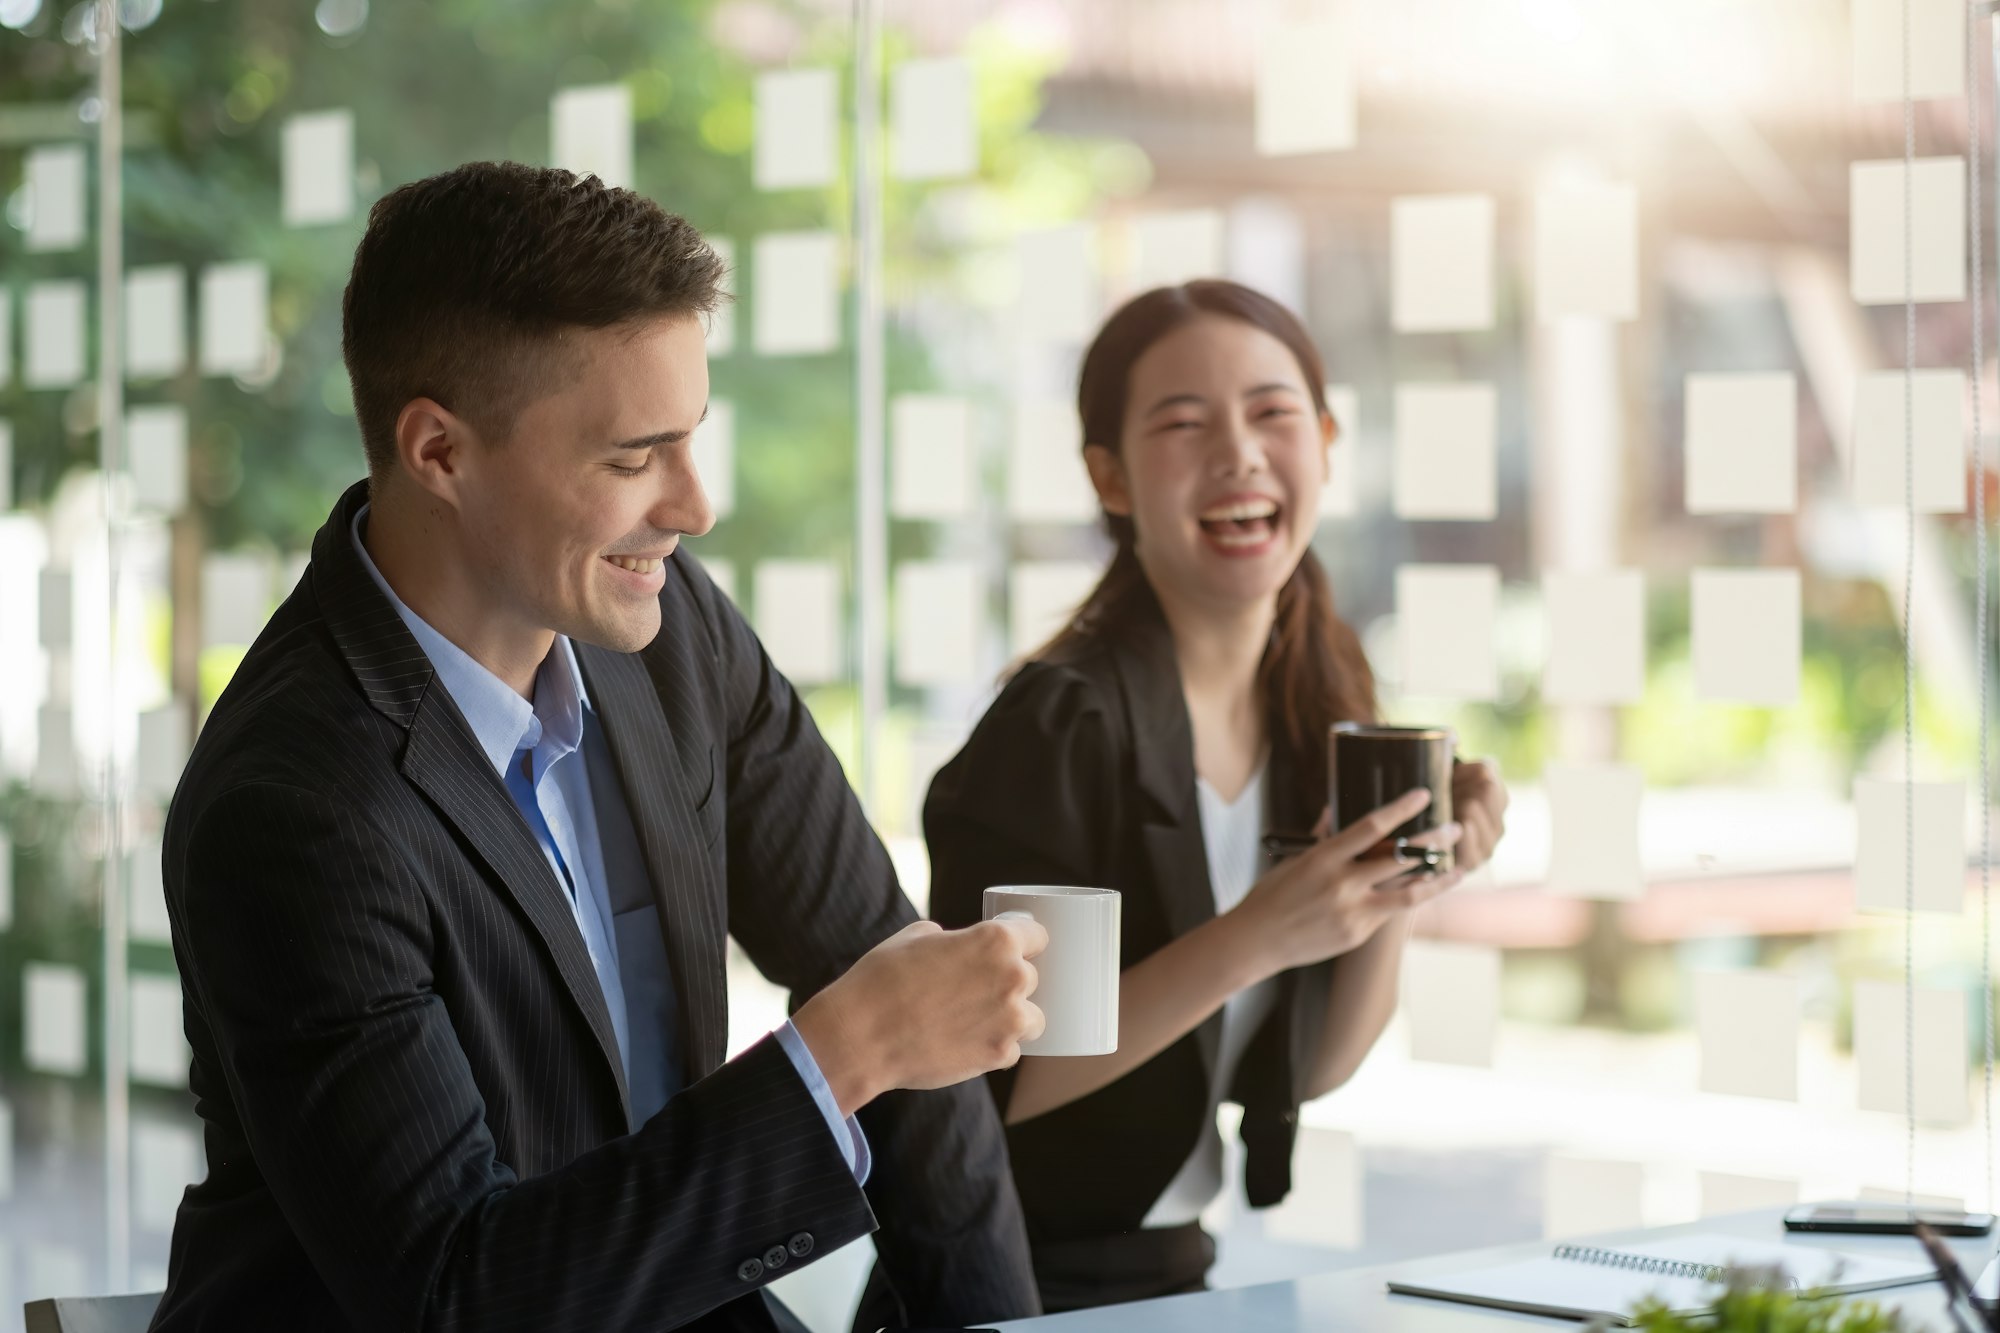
[{"x": 1314, "y": 672}]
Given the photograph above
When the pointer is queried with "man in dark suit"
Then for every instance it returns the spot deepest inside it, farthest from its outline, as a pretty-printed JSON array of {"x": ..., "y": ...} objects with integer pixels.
[{"x": 452, "y": 866}]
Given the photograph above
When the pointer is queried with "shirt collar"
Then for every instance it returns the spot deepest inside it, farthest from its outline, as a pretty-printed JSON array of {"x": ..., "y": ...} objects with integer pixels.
[{"x": 502, "y": 721}]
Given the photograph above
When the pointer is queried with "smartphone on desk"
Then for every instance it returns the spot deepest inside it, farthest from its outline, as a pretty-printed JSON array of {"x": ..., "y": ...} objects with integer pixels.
[{"x": 1885, "y": 1219}]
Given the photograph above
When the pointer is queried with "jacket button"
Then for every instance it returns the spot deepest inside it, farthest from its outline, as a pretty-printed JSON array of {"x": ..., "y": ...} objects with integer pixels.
[
  {"x": 774, "y": 1258},
  {"x": 802, "y": 1244},
  {"x": 750, "y": 1269}
]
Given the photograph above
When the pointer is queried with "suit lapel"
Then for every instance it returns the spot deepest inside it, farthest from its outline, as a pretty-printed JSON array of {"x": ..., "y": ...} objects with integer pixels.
[
  {"x": 444, "y": 761},
  {"x": 654, "y": 763},
  {"x": 1163, "y": 759}
]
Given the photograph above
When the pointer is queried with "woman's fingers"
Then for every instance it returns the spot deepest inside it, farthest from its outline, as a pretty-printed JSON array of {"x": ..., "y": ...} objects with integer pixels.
[
  {"x": 1371, "y": 828},
  {"x": 1415, "y": 890}
]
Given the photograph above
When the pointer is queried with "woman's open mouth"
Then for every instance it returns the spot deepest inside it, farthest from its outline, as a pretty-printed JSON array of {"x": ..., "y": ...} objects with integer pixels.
[{"x": 1241, "y": 527}]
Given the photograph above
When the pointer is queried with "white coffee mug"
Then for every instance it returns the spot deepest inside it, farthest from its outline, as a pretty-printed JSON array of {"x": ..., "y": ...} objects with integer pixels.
[{"x": 1078, "y": 987}]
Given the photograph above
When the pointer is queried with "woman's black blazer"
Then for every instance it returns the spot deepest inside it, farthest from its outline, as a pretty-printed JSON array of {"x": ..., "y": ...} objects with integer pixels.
[{"x": 1082, "y": 772}]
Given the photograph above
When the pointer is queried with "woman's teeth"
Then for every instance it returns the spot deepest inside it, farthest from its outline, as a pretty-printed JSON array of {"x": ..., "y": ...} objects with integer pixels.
[
  {"x": 636, "y": 566},
  {"x": 1244, "y": 523}
]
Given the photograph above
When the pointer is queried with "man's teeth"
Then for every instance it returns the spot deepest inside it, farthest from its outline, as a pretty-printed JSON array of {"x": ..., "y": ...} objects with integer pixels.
[
  {"x": 636, "y": 566},
  {"x": 1241, "y": 512}
]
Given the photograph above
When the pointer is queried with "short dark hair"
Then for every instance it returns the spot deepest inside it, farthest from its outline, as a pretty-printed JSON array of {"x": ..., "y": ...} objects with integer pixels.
[{"x": 465, "y": 282}]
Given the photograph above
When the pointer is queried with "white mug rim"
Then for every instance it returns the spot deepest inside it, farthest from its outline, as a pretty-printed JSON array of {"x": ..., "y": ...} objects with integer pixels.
[{"x": 1053, "y": 890}]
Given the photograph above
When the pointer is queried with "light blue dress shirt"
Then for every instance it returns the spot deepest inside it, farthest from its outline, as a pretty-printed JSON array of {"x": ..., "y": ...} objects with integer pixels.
[{"x": 546, "y": 753}]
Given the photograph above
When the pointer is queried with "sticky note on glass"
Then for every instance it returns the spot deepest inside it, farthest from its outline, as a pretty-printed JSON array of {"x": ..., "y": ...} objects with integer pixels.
[
  {"x": 795, "y": 307},
  {"x": 155, "y": 322},
  {"x": 1746, "y": 635},
  {"x": 156, "y": 450},
  {"x": 53, "y": 1003},
  {"x": 798, "y": 618},
  {"x": 1936, "y": 62},
  {"x": 55, "y": 317},
  {"x": 157, "y": 1041},
  {"x": 797, "y": 119},
  {"x": 1876, "y": 259},
  {"x": 56, "y": 768},
  {"x": 147, "y": 915},
  {"x": 1324, "y": 1207},
  {"x": 166, "y": 1159},
  {"x": 1935, "y": 421},
  {"x": 6, "y": 883},
  {"x": 930, "y": 456},
  {"x": 1587, "y": 251},
  {"x": 57, "y": 207},
  {"x": 939, "y": 605},
  {"x": 714, "y": 450},
  {"x": 722, "y": 319},
  {"x": 162, "y": 751},
  {"x": 1748, "y": 1025},
  {"x": 1880, "y": 1047},
  {"x": 6, "y": 1162},
  {"x": 722, "y": 573},
  {"x": 6, "y": 338},
  {"x": 1441, "y": 262},
  {"x": 1447, "y": 617},
  {"x": 1742, "y": 443},
  {"x": 1594, "y": 830},
  {"x": 1172, "y": 248},
  {"x": 1042, "y": 595},
  {"x": 933, "y": 129},
  {"x": 1597, "y": 637},
  {"x": 318, "y": 168},
  {"x": 235, "y": 597},
  {"x": 235, "y": 318},
  {"x": 1060, "y": 289},
  {"x": 1046, "y": 479},
  {"x": 590, "y": 132},
  {"x": 57, "y": 602},
  {"x": 1723, "y": 1193},
  {"x": 1451, "y": 1002},
  {"x": 6, "y": 459},
  {"x": 1881, "y": 867},
  {"x": 1305, "y": 87},
  {"x": 1340, "y": 498},
  {"x": 1446, "y": 451},
  {"x": 1582, "y": 1198}
]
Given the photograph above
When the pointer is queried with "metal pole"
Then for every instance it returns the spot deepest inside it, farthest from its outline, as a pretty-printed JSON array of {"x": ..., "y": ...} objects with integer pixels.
[
  {"x": 871, "y": 564},
  {"x": 111, "y": 467}
]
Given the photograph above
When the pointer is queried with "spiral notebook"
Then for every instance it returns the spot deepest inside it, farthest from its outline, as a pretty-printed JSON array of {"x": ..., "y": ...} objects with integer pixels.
[{"x": 1583, "y": 1282}]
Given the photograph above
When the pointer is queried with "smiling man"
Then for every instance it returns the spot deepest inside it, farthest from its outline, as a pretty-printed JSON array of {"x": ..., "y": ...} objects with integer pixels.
[{"x": 453, "y": 865}]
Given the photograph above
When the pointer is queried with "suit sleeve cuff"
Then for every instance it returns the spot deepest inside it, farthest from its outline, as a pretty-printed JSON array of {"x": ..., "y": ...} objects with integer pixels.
[{"x": 846, "y": 1132}]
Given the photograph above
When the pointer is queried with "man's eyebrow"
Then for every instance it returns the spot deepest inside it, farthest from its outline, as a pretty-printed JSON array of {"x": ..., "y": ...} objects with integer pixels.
[{"x": 659, "y": 437}]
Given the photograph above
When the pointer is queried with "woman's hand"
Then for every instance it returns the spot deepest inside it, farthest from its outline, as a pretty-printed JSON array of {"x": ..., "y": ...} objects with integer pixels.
[
  {"x": 1479, "y": 802},
  {"x": 1330, "y": 900}
]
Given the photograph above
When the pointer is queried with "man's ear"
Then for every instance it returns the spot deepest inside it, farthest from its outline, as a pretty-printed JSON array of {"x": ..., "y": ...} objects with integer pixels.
[
  {"x": 1107, "y": 474},
  {"x": 431, "y": 447}
]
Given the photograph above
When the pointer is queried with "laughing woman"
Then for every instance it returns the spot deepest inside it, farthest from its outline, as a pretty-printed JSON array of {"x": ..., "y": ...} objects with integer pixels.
[{"x": 1181, "y": 713}]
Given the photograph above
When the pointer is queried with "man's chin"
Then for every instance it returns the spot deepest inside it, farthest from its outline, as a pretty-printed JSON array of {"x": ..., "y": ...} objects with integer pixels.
[{"x": 622, "y": 634}]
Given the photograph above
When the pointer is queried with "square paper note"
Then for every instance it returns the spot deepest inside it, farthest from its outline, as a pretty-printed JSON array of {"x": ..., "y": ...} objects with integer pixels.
[
  {"x": 1746, "y": 635},
  {"x": 795, "y": 305},
  {"x": 1341, "y": 498},
  {"x": 1172, "y": 248},
  {"x": 1742, "y": 443},
  {"x": 1451, "y": 1002},
  {"x": 722, "y": 319},
  {"x": 590, "y": 132},
  {"x": 1446, "y": 617},
  {"x": 1881, "y": 870},
  {"x": 1441, "y": 262},
  {"x": 53, "y": 1010},
  {"x": 234, "y": 318},
  {"x": 1936, "y": 261},
  {"x": 319, "y": 167},
  {"x": 1060, "y": 289},
  {"x": 1445, "y": 451},
  {"x": 1587, "y": 251},
  {"x": 1936, "y": 64},
  {"x": 1305, "y": 86},
  {"x": 1886, "y": 416},
  {"x": 933, "y": 133},
  {"x": 1594, "y": 814},
  {"x": 1748, "y": 1025},
  {"x": 1046, "y": 479},
  {"x": 798, "y": 618},
  {"x": 155, "y": 322},
  {"x": 1584, "y": 1198},
  {"x": 159, "y": 1051},
  {"x": 1879, "y": 1045},
  {"x": 714, "y": 450},
  {"x": 930, "y": 456},
  {"x": 156, "y": 445},
  {"x": 57, "y": 198},
  {"x": 55, "y": 316},
  {"x": 1042, "y": 595},
  {"x": 797, "y": 120},
  {"x": 938, "y": 619},
  {"x": 1597, "y": 637}
]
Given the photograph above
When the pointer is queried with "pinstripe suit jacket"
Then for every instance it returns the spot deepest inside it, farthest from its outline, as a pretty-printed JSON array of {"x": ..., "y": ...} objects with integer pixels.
[{"x": 414, "y": 1111}]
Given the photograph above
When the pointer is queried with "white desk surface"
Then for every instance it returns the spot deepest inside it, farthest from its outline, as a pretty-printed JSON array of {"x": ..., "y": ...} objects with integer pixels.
[{"x": 1358, "y": 1299}]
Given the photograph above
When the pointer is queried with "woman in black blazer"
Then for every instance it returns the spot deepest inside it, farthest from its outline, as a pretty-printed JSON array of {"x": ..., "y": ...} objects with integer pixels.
[{"x": 1182, "y": 711}]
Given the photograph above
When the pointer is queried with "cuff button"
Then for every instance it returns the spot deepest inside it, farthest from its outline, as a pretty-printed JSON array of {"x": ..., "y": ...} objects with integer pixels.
[
  {"x": 750, "y": 1269},
  {"x": 802, "y": 1245}
]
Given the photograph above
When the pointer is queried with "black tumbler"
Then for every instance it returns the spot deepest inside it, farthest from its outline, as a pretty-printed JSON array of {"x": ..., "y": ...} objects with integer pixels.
[{"x": 1369, "y": 766}]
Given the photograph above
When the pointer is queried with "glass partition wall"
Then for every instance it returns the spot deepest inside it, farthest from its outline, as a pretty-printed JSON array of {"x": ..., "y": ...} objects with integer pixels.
[{"x": 1615, "y": 314}]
